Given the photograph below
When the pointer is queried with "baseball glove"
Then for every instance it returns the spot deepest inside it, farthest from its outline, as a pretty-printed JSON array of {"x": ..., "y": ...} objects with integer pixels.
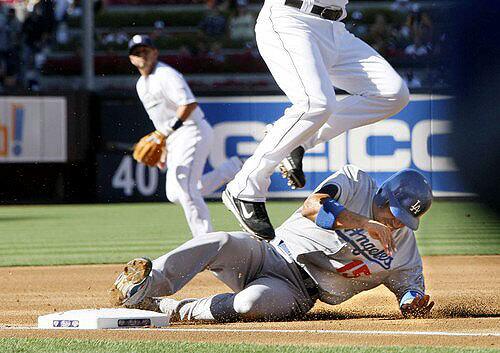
[{"x": 150, "y": 150}]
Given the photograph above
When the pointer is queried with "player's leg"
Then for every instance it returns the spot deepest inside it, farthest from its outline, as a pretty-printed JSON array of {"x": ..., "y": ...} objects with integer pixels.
[
  {"x": 235, "y": 258},
  {"x": 292, "y": 49},
  {"x": 376, "y": 90},
  {"x": 191, "y": 150},
  {"x": 266, "y": 298},
  {"x": 265, "y": 285},
  {"x": 171, "y": 185},
  {"x": 221, "y": 175}
]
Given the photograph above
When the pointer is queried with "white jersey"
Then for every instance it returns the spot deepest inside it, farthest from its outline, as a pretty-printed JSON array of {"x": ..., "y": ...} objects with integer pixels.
[
  {"x": 162, "y": 92},
  {"x": 345, "y": 262}
]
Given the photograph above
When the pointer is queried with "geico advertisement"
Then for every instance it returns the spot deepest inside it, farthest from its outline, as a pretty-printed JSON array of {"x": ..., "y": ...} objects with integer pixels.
[
  {"x": 33, "y": 129},
  {"x": 415, "y": 138}
]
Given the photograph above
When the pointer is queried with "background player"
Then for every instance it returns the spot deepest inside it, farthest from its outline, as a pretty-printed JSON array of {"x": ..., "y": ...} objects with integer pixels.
[
  {"x": 176, "y": 115},
  {"x": 348, "y": 237},
  {"x": 308, "y": 51}
]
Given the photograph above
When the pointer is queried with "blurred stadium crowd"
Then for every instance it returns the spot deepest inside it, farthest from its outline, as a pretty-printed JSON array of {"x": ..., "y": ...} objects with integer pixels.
[{"x": 40, "y": 39}]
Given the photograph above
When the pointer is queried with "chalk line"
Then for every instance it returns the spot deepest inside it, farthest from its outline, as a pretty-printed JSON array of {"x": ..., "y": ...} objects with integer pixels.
[{"x": 230, "y": 330}]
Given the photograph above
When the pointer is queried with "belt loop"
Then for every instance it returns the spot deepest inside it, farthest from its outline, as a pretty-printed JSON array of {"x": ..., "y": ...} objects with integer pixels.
[{"x": 307, "y": 5}]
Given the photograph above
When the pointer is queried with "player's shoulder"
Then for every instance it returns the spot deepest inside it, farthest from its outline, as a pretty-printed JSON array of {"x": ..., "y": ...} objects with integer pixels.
[
  {"x": 358, "y": 177},
  {"x": 163, "y": 69},
  {"x": 139, "y": 84},
  {"x": 348, "y": 182},
  {"x": 355, "y": 173}
]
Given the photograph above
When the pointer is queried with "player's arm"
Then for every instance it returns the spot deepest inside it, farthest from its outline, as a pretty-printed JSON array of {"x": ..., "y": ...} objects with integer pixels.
[
  {"x": 408, "y": 286},
  {"x": 175, "y": 87},
  {"x": 182, "y": 114},
  {"x": 184, "y": 111},
  {"x": 323, "y": 208}
]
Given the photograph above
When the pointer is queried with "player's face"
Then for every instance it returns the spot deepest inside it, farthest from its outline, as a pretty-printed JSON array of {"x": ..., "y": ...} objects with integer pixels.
[
  {"x": 385, "y": 216},
  {"x": 143, "y": 57}
]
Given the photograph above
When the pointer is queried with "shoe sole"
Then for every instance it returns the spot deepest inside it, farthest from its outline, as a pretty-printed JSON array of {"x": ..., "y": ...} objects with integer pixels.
[
  {"x": 135, "y": 272},
  {"x": 227, "y": 200},
  {"x": 286, "y": 172}
]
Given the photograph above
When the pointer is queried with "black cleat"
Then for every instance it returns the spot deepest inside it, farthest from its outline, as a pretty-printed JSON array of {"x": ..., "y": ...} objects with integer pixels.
[
  {"x": 252, "y": 216},
  {"x": 291, "y": 168}
]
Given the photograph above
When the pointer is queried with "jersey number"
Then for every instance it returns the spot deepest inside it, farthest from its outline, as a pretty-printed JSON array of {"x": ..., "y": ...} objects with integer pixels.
[{"x": 354, "y": 269}]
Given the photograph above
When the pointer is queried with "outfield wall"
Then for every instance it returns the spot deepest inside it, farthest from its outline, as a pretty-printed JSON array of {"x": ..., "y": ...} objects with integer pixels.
[
  {"x": 76, "y": 147},
  {"x": 47, "y": 148},
  {"x": 415, "y": 138}
]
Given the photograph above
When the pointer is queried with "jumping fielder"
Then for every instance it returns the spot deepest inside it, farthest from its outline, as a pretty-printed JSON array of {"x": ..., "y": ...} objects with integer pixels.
[
  {"x": 308, "y": 51},
  {"x": 349, "y": 236},
  {"x": 182, "y": 139}
]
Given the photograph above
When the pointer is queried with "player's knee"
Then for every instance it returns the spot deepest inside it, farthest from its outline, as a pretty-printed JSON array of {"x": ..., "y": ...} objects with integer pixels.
[
  {"x": 402, "y": 97},
  {"x": 323, "y": 106},
  {"x": 172, "y": 195},
  {"x": 243, "y": 305},
  {"x": 221, "y": 238},
  {"x": 398, "y": 97},
  {"x": 189, "y": 197},
  {"x": 186, "y": 191},
  {"x": 320, "y": 106}
]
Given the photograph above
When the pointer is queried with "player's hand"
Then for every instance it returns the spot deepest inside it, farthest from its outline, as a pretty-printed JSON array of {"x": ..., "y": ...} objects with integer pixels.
[
  {"x": 162, "y": 164},
  {"x": 382, "y": 233},
  {"x": 150, "y": 149},
  {"x": 419, "y": 307}
]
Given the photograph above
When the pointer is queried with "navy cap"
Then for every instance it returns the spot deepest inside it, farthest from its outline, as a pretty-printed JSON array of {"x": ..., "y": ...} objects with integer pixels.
[
  {"x": 140, "y": 40},
  {"x": 409, "y": 195}
]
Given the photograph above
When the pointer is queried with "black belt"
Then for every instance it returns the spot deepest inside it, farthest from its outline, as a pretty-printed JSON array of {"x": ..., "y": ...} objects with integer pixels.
[
  {"x": 309, "y": 283},
  {"x": 324, "y": 12}
]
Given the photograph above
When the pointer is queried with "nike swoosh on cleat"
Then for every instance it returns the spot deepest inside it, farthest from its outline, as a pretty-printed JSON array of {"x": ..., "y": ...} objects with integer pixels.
[{"x": 245, "y": 213}]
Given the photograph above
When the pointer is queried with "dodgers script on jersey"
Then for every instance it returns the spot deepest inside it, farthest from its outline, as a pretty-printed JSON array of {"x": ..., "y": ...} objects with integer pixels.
[
  {"x": 162, "y": 92},
  {"x": 345, "y": 262}
]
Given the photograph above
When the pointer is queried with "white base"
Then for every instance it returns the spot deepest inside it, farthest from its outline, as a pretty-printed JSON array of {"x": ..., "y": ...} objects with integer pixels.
[{"x": 91, "y": 319}]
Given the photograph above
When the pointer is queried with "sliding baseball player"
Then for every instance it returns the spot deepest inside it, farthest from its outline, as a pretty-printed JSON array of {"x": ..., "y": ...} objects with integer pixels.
[
  {"x": 308, "y": 51},
  {"x": 349, "y": 236},
  {"x": 182, "y": 139}
]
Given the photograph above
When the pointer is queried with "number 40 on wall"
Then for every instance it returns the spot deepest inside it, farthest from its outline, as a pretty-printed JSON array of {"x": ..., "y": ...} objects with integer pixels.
[{"x": 130, "y": 175}]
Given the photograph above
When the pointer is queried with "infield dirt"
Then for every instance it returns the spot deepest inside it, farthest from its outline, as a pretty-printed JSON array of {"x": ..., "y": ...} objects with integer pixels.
[{"x": 466, "y": 290}]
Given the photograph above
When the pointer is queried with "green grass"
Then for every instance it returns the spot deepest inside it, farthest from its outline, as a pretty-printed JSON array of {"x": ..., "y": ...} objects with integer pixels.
[
  {"x": 84, "y": 234},
  {"x": 459, "y": 228},
  {"x": 99, "y": 346}
]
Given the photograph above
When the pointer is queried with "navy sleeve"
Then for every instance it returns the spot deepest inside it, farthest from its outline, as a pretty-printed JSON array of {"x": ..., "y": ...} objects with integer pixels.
[{"x": 329, "y": 189}]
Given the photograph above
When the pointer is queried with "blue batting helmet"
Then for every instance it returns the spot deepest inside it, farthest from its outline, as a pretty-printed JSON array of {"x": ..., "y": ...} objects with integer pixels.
[{"x": 409, "y": 196}]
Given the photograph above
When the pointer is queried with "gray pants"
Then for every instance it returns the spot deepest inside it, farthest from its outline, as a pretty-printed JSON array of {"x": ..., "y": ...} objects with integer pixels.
[{"x": 266, "y": 286}]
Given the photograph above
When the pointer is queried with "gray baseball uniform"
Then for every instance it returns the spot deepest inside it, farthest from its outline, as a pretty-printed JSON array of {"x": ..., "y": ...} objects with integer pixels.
[
  {"x": 283, "y": 279},
  {"x": 345, "y": 262}
]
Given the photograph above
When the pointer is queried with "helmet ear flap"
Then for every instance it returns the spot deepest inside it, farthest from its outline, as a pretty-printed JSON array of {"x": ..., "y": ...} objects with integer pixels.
[{"x": 381, "y": 198}]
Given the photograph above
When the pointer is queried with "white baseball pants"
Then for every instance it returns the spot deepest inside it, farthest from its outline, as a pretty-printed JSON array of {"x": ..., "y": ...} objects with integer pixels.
[
  {"x": 307, "y": 56},
  {"x": 187, "y": 152}
]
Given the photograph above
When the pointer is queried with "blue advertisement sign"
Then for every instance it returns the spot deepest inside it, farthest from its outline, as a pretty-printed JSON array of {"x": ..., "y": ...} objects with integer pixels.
[{"x": 415, "y": 138}]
